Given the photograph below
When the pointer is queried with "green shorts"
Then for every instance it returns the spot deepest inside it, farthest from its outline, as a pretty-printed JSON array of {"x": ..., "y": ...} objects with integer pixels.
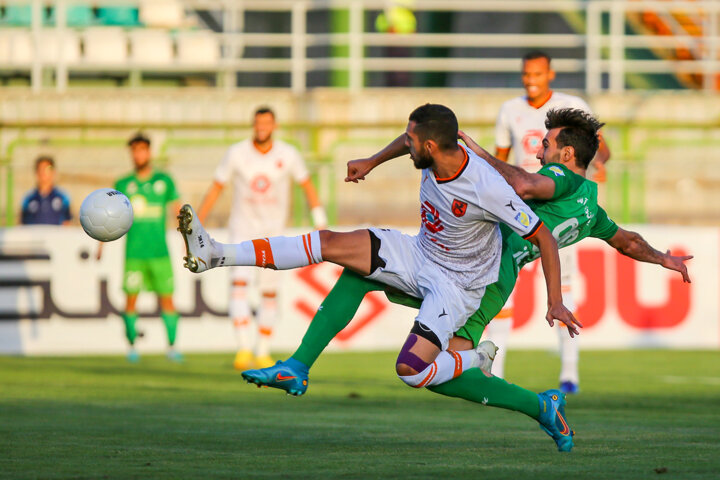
[{"x": 148, "y": 275}]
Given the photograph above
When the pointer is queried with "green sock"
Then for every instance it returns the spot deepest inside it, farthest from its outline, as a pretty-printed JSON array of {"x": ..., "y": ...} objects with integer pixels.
[
  {"x": 130, "y": 331},
  {"x": 171, "y": 322},
  {"x": 334, "y": 314},
  {"x": 476, "y": 386}
]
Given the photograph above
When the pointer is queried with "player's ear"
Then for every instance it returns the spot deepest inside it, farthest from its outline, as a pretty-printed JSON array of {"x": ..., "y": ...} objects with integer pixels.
[
  {"x": 568, "y": 154},
  {"x": 551, "y": 75},
  {"x": 430, "y": 146}
]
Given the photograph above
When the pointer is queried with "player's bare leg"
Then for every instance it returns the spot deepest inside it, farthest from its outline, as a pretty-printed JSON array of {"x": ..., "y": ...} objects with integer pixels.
[{"x": 422, "y": 363}]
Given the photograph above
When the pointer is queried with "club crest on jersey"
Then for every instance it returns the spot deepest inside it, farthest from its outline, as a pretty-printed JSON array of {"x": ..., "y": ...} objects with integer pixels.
[
  {"x": 557, "y": 171},
  {"x": 523, "y": 219},
  {"x": 260, "y": 184},
  {"x": 532, "y": 141},
  {"x": 431, "y": 218},
  {"x": 459, "y": 208}
]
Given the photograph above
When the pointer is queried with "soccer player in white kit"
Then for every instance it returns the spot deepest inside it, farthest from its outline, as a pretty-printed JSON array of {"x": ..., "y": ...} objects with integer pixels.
[
  {"x": 260, "y": 169},
  {"x": 447, "y": 264},
  {"x": 520, "y": 127}
]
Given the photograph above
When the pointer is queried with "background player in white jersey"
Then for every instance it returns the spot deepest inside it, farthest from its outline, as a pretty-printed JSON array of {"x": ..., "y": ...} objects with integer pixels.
[
  {"x": 260, "y": 169},
  {"x": 448, "y": 264},
  {"x": 520, "y": 128}
]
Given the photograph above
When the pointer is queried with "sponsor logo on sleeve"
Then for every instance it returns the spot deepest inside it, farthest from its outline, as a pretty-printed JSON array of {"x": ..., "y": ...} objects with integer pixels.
[
  {"x": 557, "y": 171},
  {"x": 523, "y": 219}
]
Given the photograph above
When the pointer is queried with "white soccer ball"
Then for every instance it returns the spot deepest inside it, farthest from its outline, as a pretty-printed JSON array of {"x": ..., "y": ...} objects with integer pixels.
[{"x": 106, "y": 214}]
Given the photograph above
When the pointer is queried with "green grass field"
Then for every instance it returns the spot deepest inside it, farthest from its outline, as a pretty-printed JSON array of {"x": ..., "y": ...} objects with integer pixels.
[{"x": 641, "y": 414}]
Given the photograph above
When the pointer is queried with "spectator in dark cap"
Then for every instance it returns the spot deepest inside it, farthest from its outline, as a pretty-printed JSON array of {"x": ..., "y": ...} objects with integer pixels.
[{"x": 45, "y": 204}]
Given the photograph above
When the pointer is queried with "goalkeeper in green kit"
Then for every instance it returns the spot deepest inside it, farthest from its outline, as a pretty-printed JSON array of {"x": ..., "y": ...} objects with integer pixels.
[
  {"x": 147, "y": 260},
  {"x": 564, "y": 200}
]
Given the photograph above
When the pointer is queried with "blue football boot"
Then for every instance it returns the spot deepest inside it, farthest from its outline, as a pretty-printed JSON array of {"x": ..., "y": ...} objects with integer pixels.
[
  {"x": 552, "y": 419},
  {"x": 288, "y": 375}
]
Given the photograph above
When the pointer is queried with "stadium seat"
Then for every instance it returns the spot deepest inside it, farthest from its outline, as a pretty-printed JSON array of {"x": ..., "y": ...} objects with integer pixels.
[
  {"x": 154, "y": 47},
  {"x": 162, "y": 13},
  {"x": 118, "y": 16},
  {"x": 52, "y": 43},
  {"x": 105, "y": 45},
  {"x": 18, "y": 15},
  {"x": 19, "y": 46},
  {"x": 198, "y": 48},
  {"x": 76, "y": 16}
]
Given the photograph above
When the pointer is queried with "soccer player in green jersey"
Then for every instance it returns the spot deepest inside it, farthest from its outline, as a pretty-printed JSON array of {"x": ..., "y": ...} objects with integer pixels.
[
  {"x": 566, "y": 202},
  {"x": 147, "y": 260}
]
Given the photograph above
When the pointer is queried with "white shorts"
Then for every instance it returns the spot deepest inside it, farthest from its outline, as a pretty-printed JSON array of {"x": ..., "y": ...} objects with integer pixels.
[{"x": 446, "y": 306}]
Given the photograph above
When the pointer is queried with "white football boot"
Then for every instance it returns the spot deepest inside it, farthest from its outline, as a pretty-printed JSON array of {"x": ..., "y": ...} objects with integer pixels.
[
  {"x": 200, "y": 247},
  {"x": 486, "y": 351}
]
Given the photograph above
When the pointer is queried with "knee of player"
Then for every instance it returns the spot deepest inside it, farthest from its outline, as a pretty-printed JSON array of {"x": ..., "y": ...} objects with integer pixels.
[{"x": 404, "y": 370}]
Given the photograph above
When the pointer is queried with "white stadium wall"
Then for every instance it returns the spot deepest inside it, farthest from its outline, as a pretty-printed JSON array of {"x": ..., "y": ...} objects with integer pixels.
[{"x": 55, "y": 298}]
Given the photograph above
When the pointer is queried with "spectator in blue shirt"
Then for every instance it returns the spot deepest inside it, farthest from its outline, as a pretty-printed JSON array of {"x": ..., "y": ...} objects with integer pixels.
[{"x": 46, "y": 204}]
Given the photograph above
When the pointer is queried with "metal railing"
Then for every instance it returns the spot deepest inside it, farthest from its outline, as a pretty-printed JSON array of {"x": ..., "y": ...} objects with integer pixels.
[{"x": 605, "y": 64}]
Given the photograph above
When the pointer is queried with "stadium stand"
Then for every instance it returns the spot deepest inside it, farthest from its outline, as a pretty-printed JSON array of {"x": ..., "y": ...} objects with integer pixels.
[
  {"x": 105, "y": 45},
  {"x": 118, "y": 16},
  {"x": 151, "y": 47}
]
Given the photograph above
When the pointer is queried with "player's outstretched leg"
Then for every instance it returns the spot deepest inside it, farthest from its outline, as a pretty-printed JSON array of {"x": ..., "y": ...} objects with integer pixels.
[
  {"x": 547, "y": 408},
  {"x": 552, "y": 419},
  {"x": 290, "y": 375}
]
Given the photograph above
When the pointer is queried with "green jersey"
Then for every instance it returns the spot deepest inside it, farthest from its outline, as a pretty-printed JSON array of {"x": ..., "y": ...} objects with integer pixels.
[
  {"x": 571, "y": 214},
  {"x": 150, "y": 198}
]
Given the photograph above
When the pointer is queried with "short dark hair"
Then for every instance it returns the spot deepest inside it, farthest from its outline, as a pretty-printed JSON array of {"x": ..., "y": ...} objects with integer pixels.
[
  {"x": 579, "y": 130},
  {"x": 437, "y": 123},
  {"x": 139, "y": 137},
  {"x": 263, "y": 110},
  {"x": 535, "y": 54},
  {"x": 44, "y": 159}
]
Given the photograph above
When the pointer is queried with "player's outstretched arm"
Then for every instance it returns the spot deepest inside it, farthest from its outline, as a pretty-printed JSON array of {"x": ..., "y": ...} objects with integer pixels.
[
  {"x": 357, "y": 169},
  {"x": 527, "y": 185},
  {"x": 550, "y": 259},
  {"x": 634, "y": 246}
]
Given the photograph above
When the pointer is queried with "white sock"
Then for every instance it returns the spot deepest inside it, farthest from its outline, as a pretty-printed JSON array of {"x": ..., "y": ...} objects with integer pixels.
[
  {"x": 569, "y": 347},
  {"x": 498, "y": 330},
  {"x": 266, "y": 324},
  {"x": 569, "y": 356},
  {"x": 448, "y": 365},
  {"x": 279, "y": 253},
  {"x": 239, "y": 310}
]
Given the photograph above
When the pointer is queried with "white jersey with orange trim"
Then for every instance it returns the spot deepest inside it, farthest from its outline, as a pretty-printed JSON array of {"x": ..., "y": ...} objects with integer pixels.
[
  {"x": 521, "y": 126},
  {"x": 459, "y": 221},
  {"x": 261, "y": 186}
]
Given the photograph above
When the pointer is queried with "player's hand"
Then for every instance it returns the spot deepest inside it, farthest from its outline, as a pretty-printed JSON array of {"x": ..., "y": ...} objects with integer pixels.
[
  {"x": 357, "y": 169},
  {"x": 467, "y": 140},
  {"x": 559, "y": 312},
  {"x": 600, "y": 173},
  {"x": 677, "y": 263}
]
